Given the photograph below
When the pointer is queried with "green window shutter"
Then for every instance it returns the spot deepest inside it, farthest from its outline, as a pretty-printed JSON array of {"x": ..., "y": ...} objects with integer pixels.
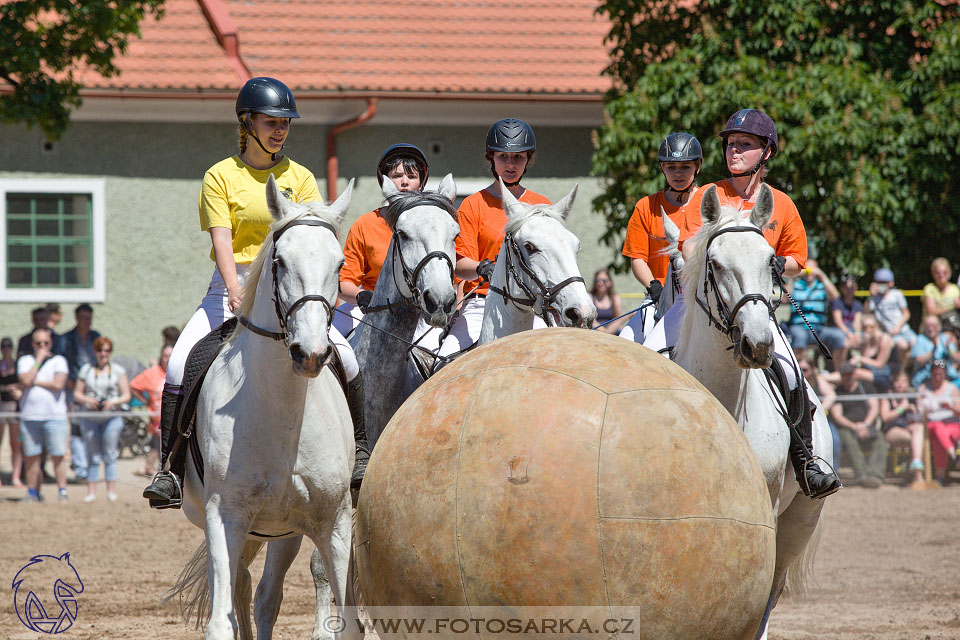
[{"x": 49, "y": 240}]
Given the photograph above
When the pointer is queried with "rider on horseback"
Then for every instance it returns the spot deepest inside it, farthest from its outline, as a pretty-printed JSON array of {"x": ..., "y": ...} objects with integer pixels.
[{"x": 233, "y": 209}]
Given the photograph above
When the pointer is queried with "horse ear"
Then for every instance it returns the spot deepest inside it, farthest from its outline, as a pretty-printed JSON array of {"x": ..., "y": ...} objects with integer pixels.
[
  {"x": 565, "y": 206},
  {"x": 670, "y": 228},
  {"x": 389, "y": 188},
  {"x": 342, "y": 203},
  {"x": 510, "y": 203},
  {"x": 763, "y": 208},
  {"x": 277, "y": 204},
  {"x": 710, "y": 205},
  {"x": 448, "y": 188}
]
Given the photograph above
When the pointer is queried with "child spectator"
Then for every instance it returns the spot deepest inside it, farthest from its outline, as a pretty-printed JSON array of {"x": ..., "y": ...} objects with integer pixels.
[
  {"x": 856, "y": 420},
  {"x": 903, "y": 425},
  {"x": 813, "y": 292},
  {"x": 941, "y": 297},
  {"x": 846, "y": 313},
  {"x": 940, "y": 403},
  {"x": 147, "y": 387},
  {"x": 934, "y": 344},
  {"x": 889, "y": 305}
]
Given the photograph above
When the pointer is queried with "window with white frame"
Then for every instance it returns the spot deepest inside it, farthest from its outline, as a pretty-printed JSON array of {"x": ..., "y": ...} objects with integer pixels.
[{"x": 52, "y": 240}]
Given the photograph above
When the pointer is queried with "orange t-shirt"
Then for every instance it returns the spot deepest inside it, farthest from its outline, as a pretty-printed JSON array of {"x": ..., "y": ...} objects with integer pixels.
[
  {"x": 645, "y": 235},
  {"x": 482, "y": 226},
  {"x": 784, "y": 231},
  {"x": 151, "y": 382},
  {"x": 365, "y": 249}
]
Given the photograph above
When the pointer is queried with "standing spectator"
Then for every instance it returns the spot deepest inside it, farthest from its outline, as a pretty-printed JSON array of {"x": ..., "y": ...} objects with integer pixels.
[
  {"x": 934, "y": 344},
  {"x": 9, "y": 396},
  {"x": 147, "y": 388},
  {"x": 43, "y": 412},
  {"x": 77, "y": 347},
  {"x": 102, "y": 386},
  {"x": 941, "y": 297},
  {"x": 813, "y": 292},
  {"x": 889, "y": 305},
  {"x": 170, "y": 335},
  {"x": 940, "y": 403},
  {"x": 54, "y": 316},
  {"x": 25, "y": 345},
  {"x": 857, "y": 423},
  {"x": 903, "y": 424},
  {"x": 607, "y": 302},
  {"x": 847, "y": 313}
]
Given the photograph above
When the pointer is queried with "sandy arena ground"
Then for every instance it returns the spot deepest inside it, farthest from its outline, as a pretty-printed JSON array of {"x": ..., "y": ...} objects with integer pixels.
[{"x": 887, "y": 568}]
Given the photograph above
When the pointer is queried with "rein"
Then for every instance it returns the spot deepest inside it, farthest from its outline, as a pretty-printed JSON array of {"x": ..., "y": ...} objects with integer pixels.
[
  {"x": 540, "y": 302},
  {"x": 283, "y": 312}
]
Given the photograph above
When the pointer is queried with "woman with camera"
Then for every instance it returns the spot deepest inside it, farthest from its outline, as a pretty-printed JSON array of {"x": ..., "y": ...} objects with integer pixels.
[{"x": 102, "y": 386}]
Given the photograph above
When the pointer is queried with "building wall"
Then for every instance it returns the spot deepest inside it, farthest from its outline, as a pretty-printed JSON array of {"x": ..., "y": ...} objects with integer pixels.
[{"x": 157, "y": 259}]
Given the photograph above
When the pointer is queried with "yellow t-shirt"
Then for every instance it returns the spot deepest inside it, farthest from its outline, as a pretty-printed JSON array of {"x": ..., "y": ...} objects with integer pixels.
[{"x": 234, "y": 196}]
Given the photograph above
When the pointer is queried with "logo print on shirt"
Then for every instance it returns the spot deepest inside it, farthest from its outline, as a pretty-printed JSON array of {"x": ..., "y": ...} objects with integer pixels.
[
  {"x": 773, "y": 225},
  {"x": 288, "y": 194}
]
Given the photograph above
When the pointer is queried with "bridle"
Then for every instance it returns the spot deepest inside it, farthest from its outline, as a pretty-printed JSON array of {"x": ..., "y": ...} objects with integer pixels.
[
  {"x": 284, "y": 312},
  {"x": 544, "y": 298},
  {"x": 727, "y": 317},
  {"x": 410, "y": 278}
]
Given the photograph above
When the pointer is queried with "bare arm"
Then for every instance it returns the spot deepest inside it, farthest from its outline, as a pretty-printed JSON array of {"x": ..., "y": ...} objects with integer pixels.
[
  {"x": 828, "y": 396},
  {"x": 641, "y": 271},
  {"x": 467, "y": 269},
  {"x": 124, "y": 386},
  {"x": 80, "y": 395},
  {"x": 349, "y": 291},
  {"x": 222, "y": 239}
]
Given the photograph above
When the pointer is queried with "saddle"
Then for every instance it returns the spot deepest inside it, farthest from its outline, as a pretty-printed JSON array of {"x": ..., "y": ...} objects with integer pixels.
[{"x": 195, "y": 371}]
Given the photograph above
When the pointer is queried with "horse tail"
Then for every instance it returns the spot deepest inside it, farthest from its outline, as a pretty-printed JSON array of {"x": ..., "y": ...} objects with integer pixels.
[
  {"x": 800, "y": 573},
  {"x": 192, "y": 587}
]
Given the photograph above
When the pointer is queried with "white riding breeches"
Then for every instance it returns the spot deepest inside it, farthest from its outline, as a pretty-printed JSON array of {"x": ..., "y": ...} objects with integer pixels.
[
  {"x": 213, "y": 311},
  {"x": 666, "y": 333}
]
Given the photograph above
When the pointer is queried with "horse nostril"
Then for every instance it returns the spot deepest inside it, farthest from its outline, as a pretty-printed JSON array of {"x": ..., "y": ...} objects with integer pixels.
[
  {"x": 746, "y": 349},
  {"x": 574, "y": 316},
  {"x": 449, "y": 304},
  {"x": 429, "y": 303},
  {"x": 297, "y": 354}
]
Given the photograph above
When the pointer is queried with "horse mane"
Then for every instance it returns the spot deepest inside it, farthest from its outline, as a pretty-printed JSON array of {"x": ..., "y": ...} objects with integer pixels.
[
  {"x": 517, "y": 219},
  {"x": 252, "y": 278},
  {"x": 406, "y": 200}
]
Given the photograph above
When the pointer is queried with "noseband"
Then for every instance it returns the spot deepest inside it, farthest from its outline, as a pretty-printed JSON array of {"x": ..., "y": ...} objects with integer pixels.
[
  {"x": 410, "y": 275},
  {"x": 284, "y": 312},
  {"x": 546, "y": 296},
  {"x": 725, "y": 323}
]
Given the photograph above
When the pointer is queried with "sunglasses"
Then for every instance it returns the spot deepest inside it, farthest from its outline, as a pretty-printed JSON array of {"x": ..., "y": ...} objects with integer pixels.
[
  {"x": 105, "y": 351},
  {"x": 6, "y": 345},
  {"x": 42, "y": 343}
]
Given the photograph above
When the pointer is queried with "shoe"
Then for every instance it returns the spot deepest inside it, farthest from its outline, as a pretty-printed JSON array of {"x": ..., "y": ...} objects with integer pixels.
[
  {"x": 164, "y": 492},
  {"x": 112, "y": 497},
  {"x": 90, "y": 497},
  {"x": 820, "y": 484},
  {"x": 916, "y": 465},
  {"x": 30, "y": 498},
  {"x": 871, "y": 482},
  {"x": 62, "y": 496}
]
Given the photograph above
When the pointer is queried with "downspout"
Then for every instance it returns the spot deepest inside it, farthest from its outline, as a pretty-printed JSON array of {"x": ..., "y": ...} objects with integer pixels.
[
  {"x": 333, "y": 163},
  {"x": 224, "y": 28}
]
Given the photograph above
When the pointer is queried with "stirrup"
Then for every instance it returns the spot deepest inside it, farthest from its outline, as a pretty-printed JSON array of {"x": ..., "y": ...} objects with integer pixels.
[
  {"x": 808, "y": 491},
  {"x": 166, "y": 503}
]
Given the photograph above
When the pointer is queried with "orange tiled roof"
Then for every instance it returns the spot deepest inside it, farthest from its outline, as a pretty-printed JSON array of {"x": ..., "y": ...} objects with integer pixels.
[{"x": 539, "y": 47}]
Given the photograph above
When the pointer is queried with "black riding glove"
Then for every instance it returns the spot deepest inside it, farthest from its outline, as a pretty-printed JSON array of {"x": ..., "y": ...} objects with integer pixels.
[
  {"x": 485, "y": 269},
  {"x": 364, "y": 298},
  {"x": 779, "y": 265},
  {"x": 655, "y": 290}
]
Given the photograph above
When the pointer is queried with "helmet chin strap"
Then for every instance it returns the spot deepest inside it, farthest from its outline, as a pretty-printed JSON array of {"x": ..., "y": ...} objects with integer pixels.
[
  {"x": 246, "y": 125},
  {"x": 763, "y": 160}
]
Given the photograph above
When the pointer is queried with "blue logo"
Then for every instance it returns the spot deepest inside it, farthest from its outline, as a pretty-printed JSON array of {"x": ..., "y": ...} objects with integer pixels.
[
  {"x": 45, "y": 594},
  {"x": 742, "y": 115}
]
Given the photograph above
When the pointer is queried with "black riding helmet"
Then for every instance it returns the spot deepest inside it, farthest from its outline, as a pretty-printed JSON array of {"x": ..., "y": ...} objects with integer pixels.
[
  {"x": 399, "y": 152},
  {"x": 681, "y": 147},
  {"x": 510, "y": 136},
  {"x": 757, "y": 123},
  {"x": 268, "y": 96}
]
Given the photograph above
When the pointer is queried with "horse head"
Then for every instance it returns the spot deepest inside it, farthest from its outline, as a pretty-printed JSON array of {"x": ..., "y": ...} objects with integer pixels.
[
  {"x": 735, "y": 276},
  {"x": 545, "y": 255},
  {"x": 302, "y": 275},
  {"x": 425, "y": 229}
]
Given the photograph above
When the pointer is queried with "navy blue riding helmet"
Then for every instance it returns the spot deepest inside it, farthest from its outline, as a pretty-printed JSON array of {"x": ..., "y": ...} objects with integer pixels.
[
  {"x": 398, "y": 152},
  {"x": 754, "y": 122},
  {"x": 268, "y": 96}
]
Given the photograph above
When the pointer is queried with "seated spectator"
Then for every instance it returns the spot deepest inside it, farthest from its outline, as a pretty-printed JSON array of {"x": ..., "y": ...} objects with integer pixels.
[
  {"x": 940, "y": 404},
  {"x": 857, "y": 424},
  {"x": 43, "y": 412},
  {"x": 934, "y": 344},
  {"x": 903, "y": 425},
  {"x": 607, "y": 302},
  {"x": 873, "y": 361},
  {"x": 102, "y": 386},
  {"x": 813, "y": 293},
  {"x": 828, "y": 396},
  {"x": 25, "y": 344},
  {"x": 889, "y": 305},
  {"x": 846, "y": 313},
  {"x": 147, "y": 388},
  {"x": 941, "y": 297}
]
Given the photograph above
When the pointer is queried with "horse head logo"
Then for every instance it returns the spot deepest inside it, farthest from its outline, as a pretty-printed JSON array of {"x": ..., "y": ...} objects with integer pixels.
[{"x": 32, "y": 588}]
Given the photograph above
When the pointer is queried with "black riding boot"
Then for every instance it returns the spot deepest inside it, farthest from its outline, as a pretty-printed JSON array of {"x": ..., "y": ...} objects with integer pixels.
[
  {"x": 165, "y": 491},
  {"x": 355, "y": 402},
  {"x": 812, "y": 480}
]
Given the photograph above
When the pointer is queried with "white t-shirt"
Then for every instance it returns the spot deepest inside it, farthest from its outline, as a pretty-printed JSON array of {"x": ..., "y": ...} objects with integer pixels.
[
  {"x": 105, "y": 384},
  {"x": 888, "y": 308},
  {"x": 39, "y": 403}
]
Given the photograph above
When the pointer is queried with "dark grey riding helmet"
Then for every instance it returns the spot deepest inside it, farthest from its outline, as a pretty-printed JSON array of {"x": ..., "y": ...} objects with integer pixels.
[
  {"x": 401, "y": 151},
  {"x": 511, "y": 135},
  {"x": 268, "y": 96},
  {"x": 681, "y": 147},
  {"x": 754, "y": 122}
]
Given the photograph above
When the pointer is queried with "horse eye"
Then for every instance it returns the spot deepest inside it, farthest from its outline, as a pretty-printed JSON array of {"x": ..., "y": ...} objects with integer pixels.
[
  {"x": 279, "y": 263},
  {"x": 401, "y": 235},
  {"x": 529, "y": 246}
]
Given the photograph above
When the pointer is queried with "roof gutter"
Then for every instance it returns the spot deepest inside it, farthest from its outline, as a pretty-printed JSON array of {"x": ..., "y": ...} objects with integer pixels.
[
  {"x": 333, "y": 163},
  {"x": 224, "y": 28}
]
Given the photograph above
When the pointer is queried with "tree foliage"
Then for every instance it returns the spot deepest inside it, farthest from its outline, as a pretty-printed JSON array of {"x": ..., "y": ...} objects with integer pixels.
[
  {"x": 866, "y": 97},
  {"x": 44, "y": 44}
]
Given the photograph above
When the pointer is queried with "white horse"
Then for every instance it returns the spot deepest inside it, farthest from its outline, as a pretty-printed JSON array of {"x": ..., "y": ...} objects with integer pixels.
[
  {"x": 536, "y": 273},
  {"x": 727, "y": 285},
  {"x": 274, "y": 431}
]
